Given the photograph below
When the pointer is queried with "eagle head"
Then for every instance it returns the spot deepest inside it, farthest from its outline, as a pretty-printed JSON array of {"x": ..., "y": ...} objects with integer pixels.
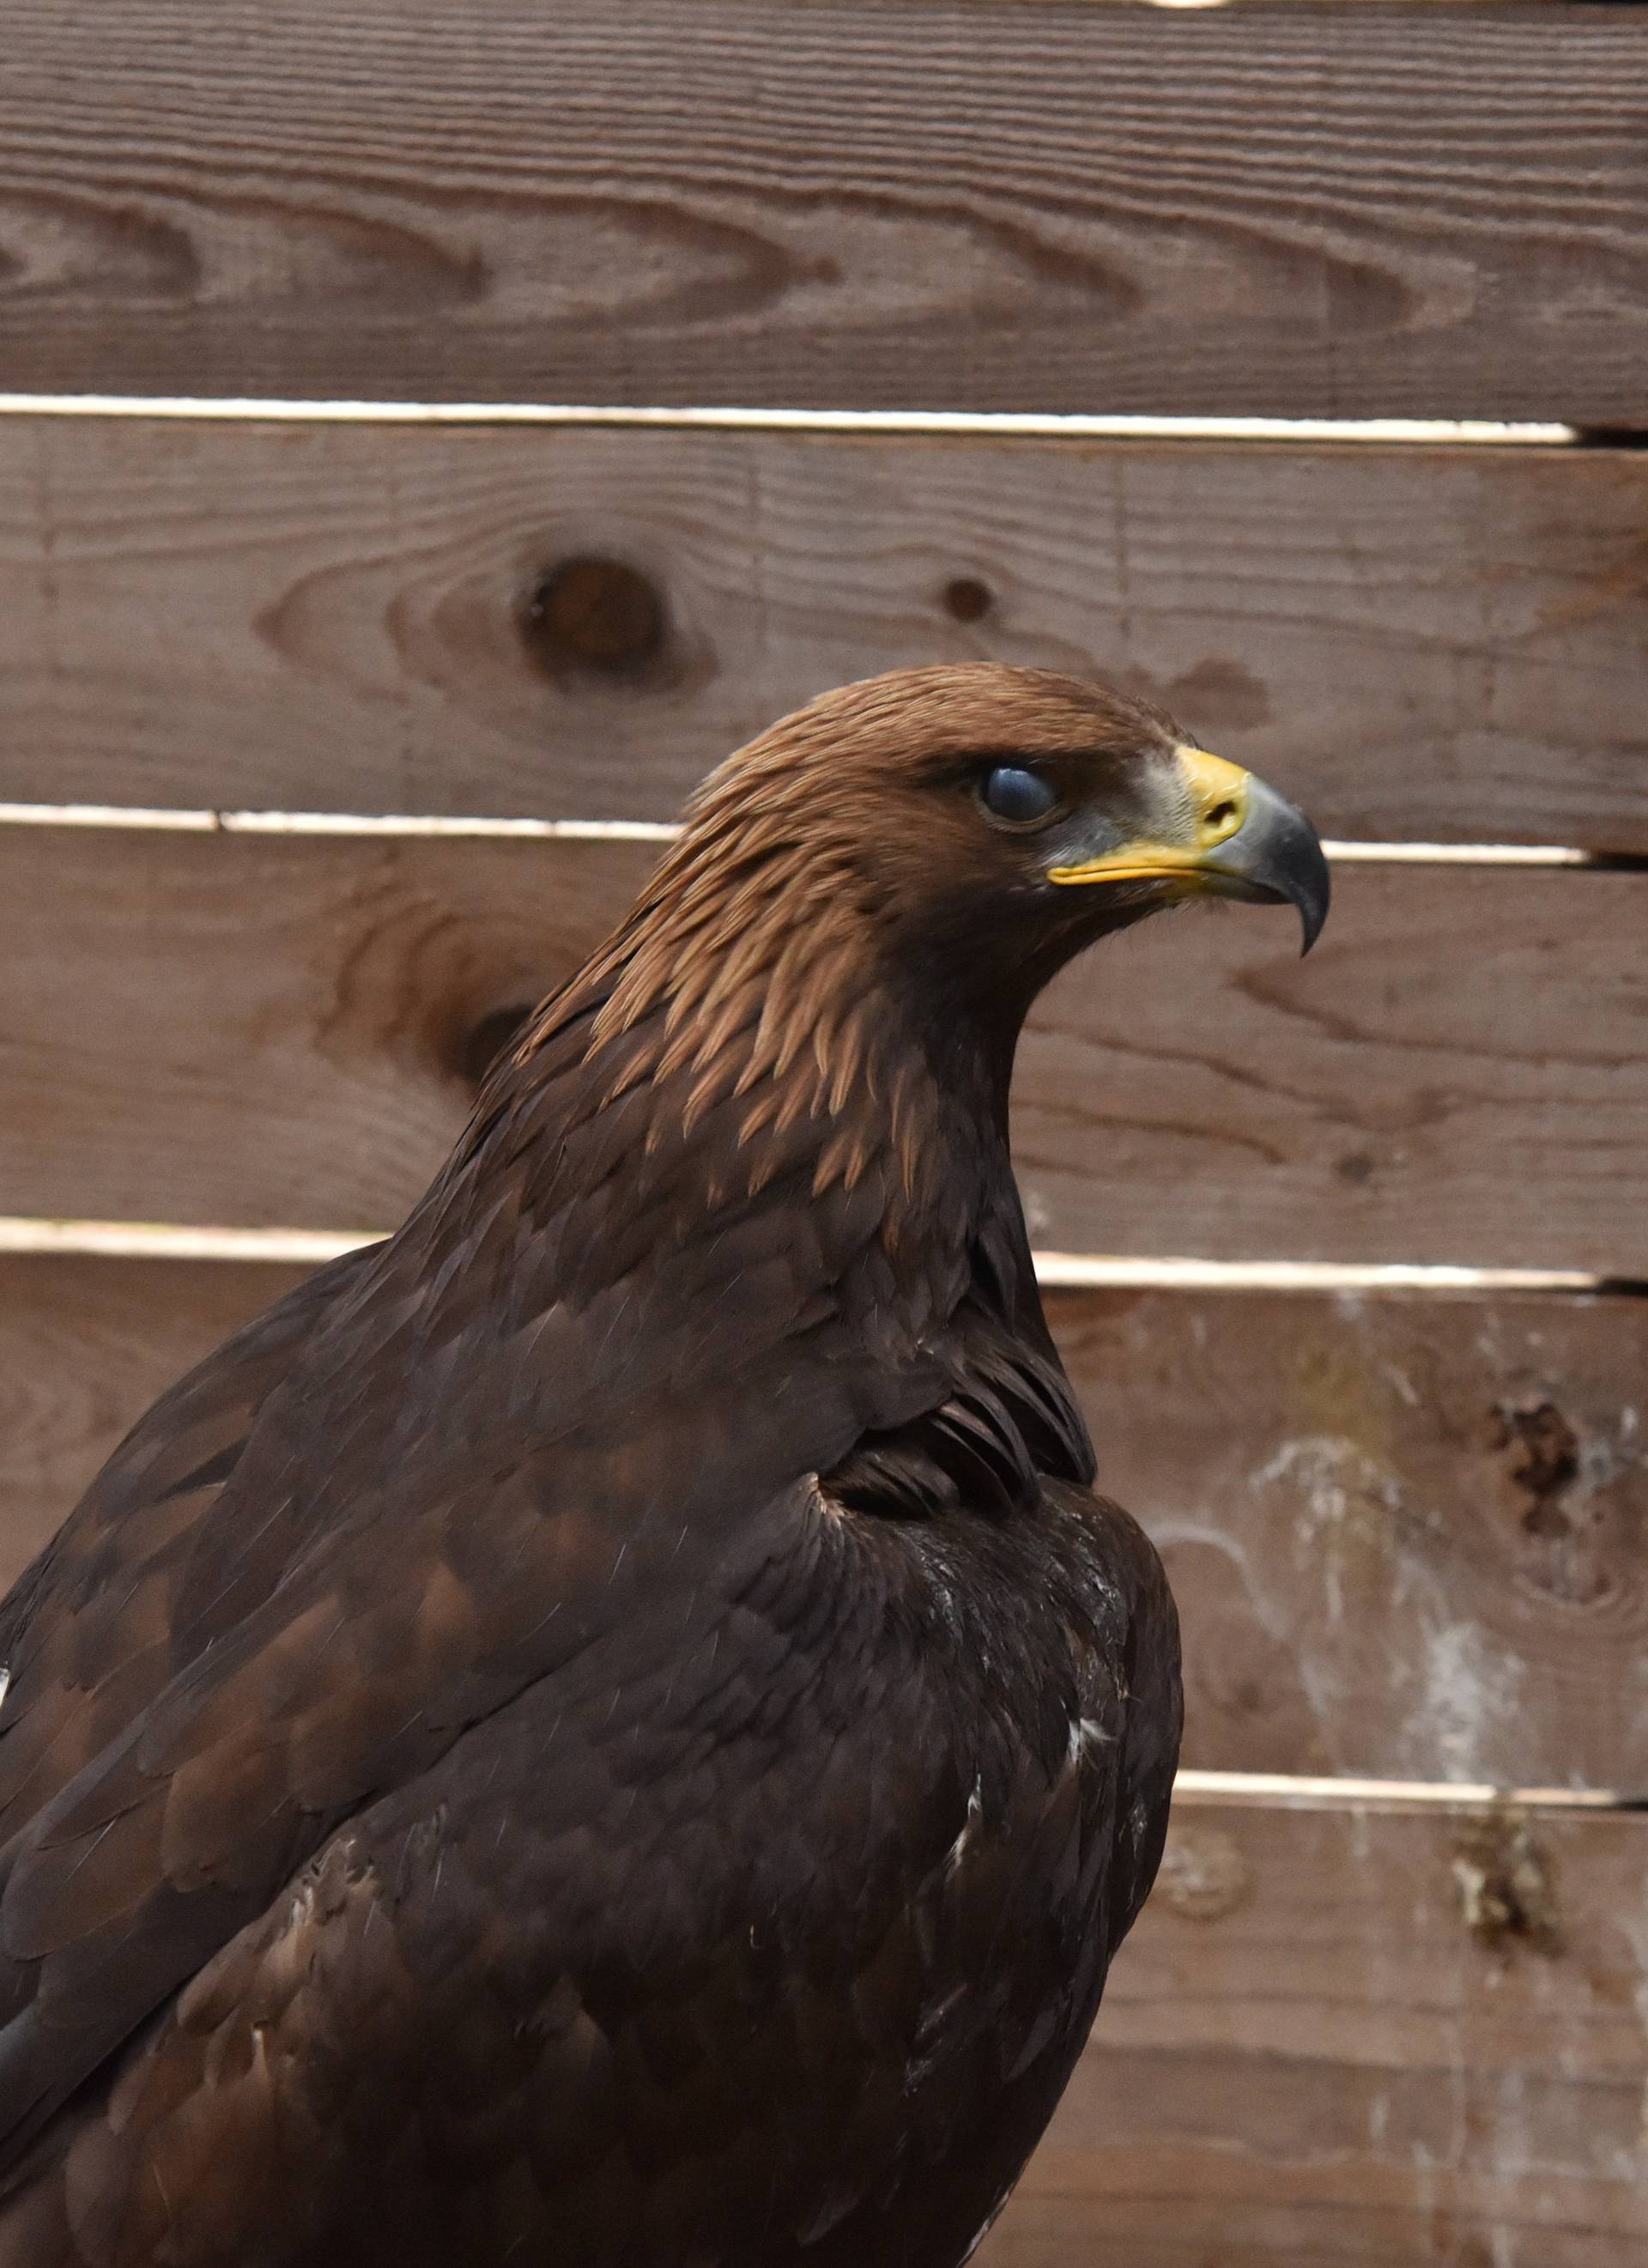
[
  {"x": 989, "y": 822},
  {"x": 865, "y": 900}
]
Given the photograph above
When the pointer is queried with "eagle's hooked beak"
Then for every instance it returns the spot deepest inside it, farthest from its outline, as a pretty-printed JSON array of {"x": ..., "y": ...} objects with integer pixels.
[{"x": 1240, "y": 839}]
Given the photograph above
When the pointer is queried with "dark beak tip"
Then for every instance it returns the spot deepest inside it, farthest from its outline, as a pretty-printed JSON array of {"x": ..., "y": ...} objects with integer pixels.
[{"x": 1313, "y": 913}]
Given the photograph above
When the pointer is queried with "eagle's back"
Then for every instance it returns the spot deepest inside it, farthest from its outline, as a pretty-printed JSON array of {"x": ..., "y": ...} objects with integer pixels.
[{"x": 776, "y": 1950}]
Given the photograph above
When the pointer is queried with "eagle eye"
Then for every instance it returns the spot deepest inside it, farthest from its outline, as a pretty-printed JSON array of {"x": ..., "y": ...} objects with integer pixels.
[{"x": 1015, "y": 793}]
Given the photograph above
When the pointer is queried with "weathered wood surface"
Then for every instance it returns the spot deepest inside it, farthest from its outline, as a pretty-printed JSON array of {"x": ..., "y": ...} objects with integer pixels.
[
  {"x": 1267, "y": 210},
  {"x": 253, "y": 1031},
  {"x": 1307, "y": 2058},
  {"x": 1422, "y": 643},
  {"x": 1406, "y": 1536}
]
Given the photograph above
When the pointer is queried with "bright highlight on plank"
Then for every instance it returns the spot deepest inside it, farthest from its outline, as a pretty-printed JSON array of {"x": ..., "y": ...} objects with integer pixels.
[
  {"x": 142, "y": 1240},
  {"x": 180, "y": 820},
  {"x": 1448, "y": 433}
]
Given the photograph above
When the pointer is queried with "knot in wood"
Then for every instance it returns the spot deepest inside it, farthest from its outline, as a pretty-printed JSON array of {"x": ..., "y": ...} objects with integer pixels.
[
  {"x": 596, "y": 617},
  {"x": 967, "y": 599},
  {"x": 1203, "y": 1874},
  {"x": 1546, "y": 1461}
]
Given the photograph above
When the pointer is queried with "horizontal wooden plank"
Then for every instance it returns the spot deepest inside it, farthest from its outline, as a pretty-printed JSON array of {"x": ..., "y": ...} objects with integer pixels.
[
  {"x": 1405, "y": 1536},
  {"x": 1422, "y": 644},
  {"x": 256, "y": 1031},
  {"x": 1309, "y": 2057},
  {"x": 1255, "y": 210}
]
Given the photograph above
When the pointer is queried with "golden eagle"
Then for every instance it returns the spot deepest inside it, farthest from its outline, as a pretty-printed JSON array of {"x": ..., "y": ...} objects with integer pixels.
[{"x": 610, "y": 1730}]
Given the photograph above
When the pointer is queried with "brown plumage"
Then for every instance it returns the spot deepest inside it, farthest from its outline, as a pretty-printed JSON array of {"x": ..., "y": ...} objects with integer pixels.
[{"x": 610, "y": 1729}]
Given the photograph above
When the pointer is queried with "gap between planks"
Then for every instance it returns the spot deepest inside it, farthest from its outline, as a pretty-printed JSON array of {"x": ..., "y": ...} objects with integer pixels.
[
  {"x": 180, "y": 820},
  {"x": 140, "y": 1240},
  {"x": 1447, "y": 432},
  {"x": 1328, "y": 1791}
]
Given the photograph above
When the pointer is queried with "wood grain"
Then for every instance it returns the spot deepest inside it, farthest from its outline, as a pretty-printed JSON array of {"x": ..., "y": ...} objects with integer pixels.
[
  {"x": 274, "y": 1032},
  {"x": 1406, "y": 1536},
  {"x": 1308, "y": 2058},
  {"x": 1036, "y": 207},
  {"x": 1421, "y": 642}
]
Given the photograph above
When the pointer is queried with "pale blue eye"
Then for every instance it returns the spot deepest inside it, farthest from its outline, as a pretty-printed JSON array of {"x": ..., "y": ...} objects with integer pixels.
[{"x": 1012, "y": 793}]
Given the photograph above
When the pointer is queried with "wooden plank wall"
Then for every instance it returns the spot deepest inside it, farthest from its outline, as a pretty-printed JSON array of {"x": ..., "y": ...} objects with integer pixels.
[{"x": 1407, "y": 1529}]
